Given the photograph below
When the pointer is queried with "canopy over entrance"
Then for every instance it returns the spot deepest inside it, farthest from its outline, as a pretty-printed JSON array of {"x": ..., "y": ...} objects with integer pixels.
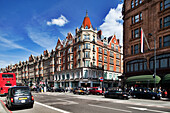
[
  {"x": 166, "y": 79},
  {"x": 143, "y": 79}
]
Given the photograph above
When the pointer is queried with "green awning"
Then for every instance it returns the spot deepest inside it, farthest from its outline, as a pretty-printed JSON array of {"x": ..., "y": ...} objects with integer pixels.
[
  {"x": 143, "y": 79},
  {"x": 166, "y": 79}
]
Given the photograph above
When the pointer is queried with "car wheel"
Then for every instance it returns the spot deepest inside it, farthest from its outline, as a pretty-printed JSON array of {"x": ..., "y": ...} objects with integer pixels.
[
  {"x": 153, "y": 97},
  {"x": 31, "y": 106},
  {"x": 97, "y": 93},
  {"x": 134, "y": 96},
  {"x": 106, "y": 96}
]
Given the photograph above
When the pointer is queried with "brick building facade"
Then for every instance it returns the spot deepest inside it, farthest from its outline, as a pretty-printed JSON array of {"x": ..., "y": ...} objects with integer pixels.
[{"x": 153, "y": 16}]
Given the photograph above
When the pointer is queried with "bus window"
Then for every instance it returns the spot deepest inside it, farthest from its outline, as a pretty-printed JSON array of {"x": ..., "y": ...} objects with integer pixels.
[
  {"x": 8, "y": 85},
  {"x": 7, "y": 76}
]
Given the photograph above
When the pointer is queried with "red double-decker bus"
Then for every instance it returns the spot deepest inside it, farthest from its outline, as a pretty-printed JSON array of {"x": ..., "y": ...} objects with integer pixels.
[{"x": 7, "y": 80}]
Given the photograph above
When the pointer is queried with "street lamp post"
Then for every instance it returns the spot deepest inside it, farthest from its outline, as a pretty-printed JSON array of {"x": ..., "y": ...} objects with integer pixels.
[{"x": 154, "y": 61}]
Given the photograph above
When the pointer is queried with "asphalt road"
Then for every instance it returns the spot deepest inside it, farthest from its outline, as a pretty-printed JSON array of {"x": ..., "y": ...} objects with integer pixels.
[{"x": 70, "y": 103}]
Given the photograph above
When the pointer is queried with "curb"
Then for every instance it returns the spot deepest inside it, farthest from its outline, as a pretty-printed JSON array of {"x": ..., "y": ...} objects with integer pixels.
[{"x": 4, "y": 108}]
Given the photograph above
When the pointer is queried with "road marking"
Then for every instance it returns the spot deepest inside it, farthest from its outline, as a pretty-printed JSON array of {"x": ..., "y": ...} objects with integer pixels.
[
  {"x": 145, "y": 109},
  {"x": 53, "y": 108},
  {"x": 110, "y": 108}
]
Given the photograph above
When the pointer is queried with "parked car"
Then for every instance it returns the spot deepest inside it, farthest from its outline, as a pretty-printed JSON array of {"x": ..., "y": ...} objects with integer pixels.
[
  {"x": 59, "y": 90},
  {"x": 19, "y": 96},
  {"x": 81, "y": 91},
  {"x": 145, "y": 93},
  {"x": 50, "y": 89},
  {"x": 96, "y": 91},
  {"x": 116, "y": 94}
]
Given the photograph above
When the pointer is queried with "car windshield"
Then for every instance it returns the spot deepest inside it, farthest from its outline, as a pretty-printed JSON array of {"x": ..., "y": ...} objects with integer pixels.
[{"x": 20, "y": 91}]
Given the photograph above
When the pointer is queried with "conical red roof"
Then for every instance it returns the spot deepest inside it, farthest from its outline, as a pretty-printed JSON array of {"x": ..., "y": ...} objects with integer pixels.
[{"x": 86, "y": 21}]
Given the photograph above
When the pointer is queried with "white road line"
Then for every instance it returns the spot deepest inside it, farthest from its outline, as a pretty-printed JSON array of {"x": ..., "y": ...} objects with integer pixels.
[
  {"x": 53, "y": 108},
  {"x": 110, "y": 108},
  {"x": 145, "y": 109}
]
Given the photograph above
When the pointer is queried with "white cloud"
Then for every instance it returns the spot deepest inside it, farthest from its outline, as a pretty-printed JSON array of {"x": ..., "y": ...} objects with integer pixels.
[
  {"x": 4, "y": 64},
  {"x": 61, "y": 21},
  {"x": 44, "y": 39},
  {"x": 113, "y": 23},
  {"x": 10, "y": 44}
]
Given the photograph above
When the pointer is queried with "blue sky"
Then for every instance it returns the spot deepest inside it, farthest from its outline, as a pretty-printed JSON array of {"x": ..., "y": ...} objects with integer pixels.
[{"x": 32, "y": 26}]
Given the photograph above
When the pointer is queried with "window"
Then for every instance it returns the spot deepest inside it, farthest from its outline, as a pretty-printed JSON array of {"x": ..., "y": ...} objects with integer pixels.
[
  {"x": 161, "y": 23},
  {"x": 136, "y": 2},
  {"x": 86, "y": 37},
  {"x": 93, "y": 47},
  {"x": 71, "y": 66},
  {"x": 100, "y": 65},
  {"x": 105, "y": 66},
  {"x": 68, "y": 76},
  {"x": 117, "y": 62},
  {"x": 118, "y": 69},
  {"x": 132, "y": 34},
  {"x": 86, "y": 27},
  {"x": 136, "y": 51},
  {"x": 7, "y": 76},
  {"x": 71, "y": 57},
  {"x": 100, "y": 50},
  {"x": 63, "y": 77},
  {"x": 75, "y": 40},
  {"x": 111, "y": 61},
  {"x": 79, "y": 47},
  {"x": 93, "y": 55},
  {"x": 85, "y": 74},
  {"x": 111, "y": 68},
  {"x": 136, "y": 65},
  {"x": 87, "y": 63},
  {"x": 140, "y": 1},
  {"x": 140, "y": 16},
  {"x": 166, "y": 4},
  {"x": 132, "y": 4},
  {"x": 79, "y": 38},
  {"x": 161, "y": 61},
  {"x": 100, "y": 57},
  {"x": 93, "y": 38},
  {"x": 105, "y": 51},
  {"x": 87, "y": 54},
  {"x": 117, "y": 56},
  {"x": 87, "y": 46},
  {"x": 167, "y": 21},
  {"x": 166, "y": 41},
  {"x": 116, "y": 48},
  {"x": 161, "y": 7},
  {"x": 131, "y": 50},
  {"x": 132, "y": 20},
  {"x": 137, "y": 18},
  {"x": 111, "y": 54},
  {"x": 136, "y": 33},
  {"x": 112, "y": 46},
  {"x": 105, "y": 59},
  {"x": 160, "y": 42}
]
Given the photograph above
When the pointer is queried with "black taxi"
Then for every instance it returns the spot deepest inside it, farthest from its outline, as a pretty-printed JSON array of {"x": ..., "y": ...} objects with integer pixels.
[{"x": 19, "y": 96}]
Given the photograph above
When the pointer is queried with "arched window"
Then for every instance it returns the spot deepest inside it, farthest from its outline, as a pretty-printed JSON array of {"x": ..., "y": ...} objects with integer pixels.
[
  {"x": 136, "y": 65},
  {"x": 162, "y": 61},
  {"x": 86, "y": 27}
]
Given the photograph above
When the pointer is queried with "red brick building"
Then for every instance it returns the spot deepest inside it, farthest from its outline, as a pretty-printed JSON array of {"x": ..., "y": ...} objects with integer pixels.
[{"x": 153, "y": 16}]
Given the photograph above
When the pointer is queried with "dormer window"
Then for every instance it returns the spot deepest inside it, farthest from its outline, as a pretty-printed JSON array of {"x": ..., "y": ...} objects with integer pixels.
[{"x": 86, "y": 27}]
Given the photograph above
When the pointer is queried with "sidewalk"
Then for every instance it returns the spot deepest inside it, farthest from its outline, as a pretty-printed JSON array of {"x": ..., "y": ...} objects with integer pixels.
[{"x": 3, "y": 108}]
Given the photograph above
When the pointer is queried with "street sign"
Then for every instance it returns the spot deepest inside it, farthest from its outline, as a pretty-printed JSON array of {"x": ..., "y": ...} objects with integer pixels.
[{"x": 101, "y": 79}]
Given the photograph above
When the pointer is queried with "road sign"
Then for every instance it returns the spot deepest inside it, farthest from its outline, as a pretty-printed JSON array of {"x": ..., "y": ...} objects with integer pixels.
[{"x": 101, "y": 79}]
